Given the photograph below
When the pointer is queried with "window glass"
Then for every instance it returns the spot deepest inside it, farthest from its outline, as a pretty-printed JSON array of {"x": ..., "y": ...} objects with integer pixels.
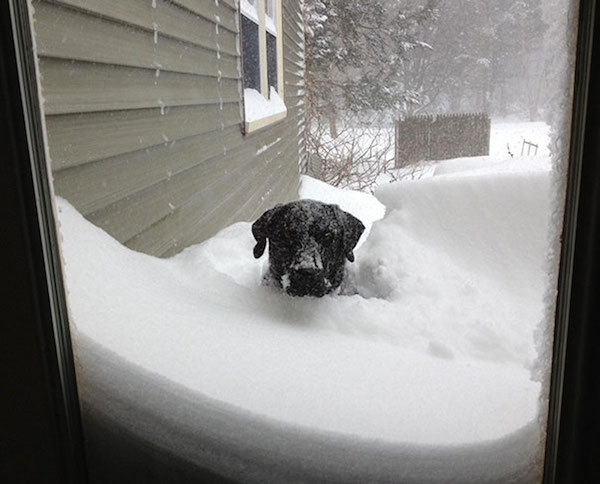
[
  {"x": 272, "y": 61},
  {"x": 353, "y": 280},
  {"x": 251, "y": 54}
]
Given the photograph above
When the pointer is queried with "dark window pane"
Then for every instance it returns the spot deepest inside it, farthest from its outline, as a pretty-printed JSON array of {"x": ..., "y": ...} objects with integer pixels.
[
  {"x": 251, "y": 54},
  {"x": 272, "y": 60}
]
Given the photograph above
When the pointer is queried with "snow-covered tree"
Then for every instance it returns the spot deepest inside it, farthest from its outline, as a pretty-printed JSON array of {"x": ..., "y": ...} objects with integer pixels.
[
  {"x": 355, "y": 53},
  {"x": 486, "y": 55}
]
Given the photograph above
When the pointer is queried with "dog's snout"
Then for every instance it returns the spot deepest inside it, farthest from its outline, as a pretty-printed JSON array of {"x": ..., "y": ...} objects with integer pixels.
[
  {"x": 311, "y": 272},
  {"x": 309, "y": 259},
  {"x": 307, "y": 281},
  {"x": 308, "y": 264}
]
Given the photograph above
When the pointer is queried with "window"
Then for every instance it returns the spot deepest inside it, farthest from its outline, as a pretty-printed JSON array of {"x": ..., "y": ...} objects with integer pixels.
[
  {"x": 271, "y": 33},
  {"x": 262, "y": 53},
  {"x": 251, "y": 54}
]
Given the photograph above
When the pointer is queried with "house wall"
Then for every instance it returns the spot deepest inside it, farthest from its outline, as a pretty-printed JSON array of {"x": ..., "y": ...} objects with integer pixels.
[{"x": 143, "y": 110}]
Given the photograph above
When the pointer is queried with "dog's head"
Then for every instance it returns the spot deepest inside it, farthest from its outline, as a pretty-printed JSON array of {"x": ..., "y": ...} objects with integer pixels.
[{"x": 309, "y": 243}]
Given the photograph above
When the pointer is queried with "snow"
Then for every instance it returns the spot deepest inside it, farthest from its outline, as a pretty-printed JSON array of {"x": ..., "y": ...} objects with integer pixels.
[
  {"x": 264, "y": 148},
  {"x": 512, "y": 133},
  {"x": 431, "y": 361},
  {"x": 257, "y": 107}
]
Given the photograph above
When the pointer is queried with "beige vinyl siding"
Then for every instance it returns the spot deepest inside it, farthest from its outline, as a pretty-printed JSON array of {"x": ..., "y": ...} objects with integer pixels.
[{"x": 143, "y": 107}]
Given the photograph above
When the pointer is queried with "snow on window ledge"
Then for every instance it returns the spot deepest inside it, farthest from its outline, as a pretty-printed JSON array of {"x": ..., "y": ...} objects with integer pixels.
[{"x": 260, "y": 112}]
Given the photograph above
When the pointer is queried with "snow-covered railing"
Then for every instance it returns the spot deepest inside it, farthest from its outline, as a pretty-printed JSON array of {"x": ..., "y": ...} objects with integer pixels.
[{"x": 441, "y": 137}]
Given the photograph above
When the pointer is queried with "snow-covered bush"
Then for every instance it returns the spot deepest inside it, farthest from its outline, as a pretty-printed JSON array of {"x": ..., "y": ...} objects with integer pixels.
[{"x": 355, "y": 157}]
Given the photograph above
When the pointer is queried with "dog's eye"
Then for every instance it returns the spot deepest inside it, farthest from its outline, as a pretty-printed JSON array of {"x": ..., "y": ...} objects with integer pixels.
[{"x": 328, "y": 236}]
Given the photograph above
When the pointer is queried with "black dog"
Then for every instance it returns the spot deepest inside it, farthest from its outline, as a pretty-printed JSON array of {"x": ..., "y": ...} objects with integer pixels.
[{"x": 309, "y": 243}]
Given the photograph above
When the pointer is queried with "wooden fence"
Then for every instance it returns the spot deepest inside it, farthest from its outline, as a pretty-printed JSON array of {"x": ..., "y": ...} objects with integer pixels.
[{"x": 441, "y": 137}]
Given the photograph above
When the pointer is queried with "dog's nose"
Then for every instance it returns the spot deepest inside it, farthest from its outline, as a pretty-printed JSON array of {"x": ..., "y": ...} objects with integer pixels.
[
  {"x": 309, "y": 259},
  {"x": 310, "y": 272},
  {"x": 307, "y": 282}
]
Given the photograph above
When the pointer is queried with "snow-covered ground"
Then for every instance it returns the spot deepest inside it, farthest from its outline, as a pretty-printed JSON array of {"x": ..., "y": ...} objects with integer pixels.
[
  {"x": 430, "y": 363},
  {"x": 507, "y": 135},
  {"x": 374, "y": 147}
]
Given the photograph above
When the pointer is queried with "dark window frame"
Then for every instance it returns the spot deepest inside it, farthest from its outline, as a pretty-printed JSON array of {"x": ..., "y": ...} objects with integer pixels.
[{"x": 42, "y": 437}]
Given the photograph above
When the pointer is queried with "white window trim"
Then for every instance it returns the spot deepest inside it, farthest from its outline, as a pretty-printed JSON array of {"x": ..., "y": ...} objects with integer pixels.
[
  {"x": 251, "y": 13},
  {"x": 249, "y": 10},
  {"x": 271, "y": 22}
]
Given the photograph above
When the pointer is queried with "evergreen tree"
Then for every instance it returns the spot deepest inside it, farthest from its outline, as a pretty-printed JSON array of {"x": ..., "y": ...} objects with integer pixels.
[
  {"x": 355, "y": 53},
  {"x": 486, "y": 55}
]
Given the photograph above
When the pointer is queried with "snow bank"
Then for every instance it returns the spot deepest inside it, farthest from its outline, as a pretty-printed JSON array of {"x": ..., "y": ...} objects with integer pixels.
[
  {"x": 423, "y": 375},
  {"x": 493, "y": 225},
  {"x": 509, "y": 136},
  {"x": 482, "y": 165},
  {"x": 342, "y": 364}
]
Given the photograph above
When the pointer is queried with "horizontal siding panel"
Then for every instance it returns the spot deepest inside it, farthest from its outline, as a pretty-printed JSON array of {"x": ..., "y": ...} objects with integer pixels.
[
  {"x": 222, "y": 216},
  {"x": 292, "y": 65},
  {"x": 212, "y": 9},
  {"x": 293, "y": 91},
  {"x": 272, "y": 187},
  {"x": 77, "y": 87},
  {"x": 81, "y": 138},
  {"x": 294, "y": 77},
  {"x": 210, "y": 210},
  {"x": 291, "y": 53},
  {"x": 130, "y": 216},
  {"x": 291, "y": 20},
  {"x": 295, "y": 111},
  {"x": 230, "y": 3},
  {"x": 292, "y": 6},
  {"x": 167, "y": 19},
  {"x": 95, "y": 185},
  {"x": 289, "y": 190},
  {"x": 268, "y": 193},
  {"x": 283, "y": 189},
  {"x": 68, "y": 34},
  {"x": 279, "y": 157},
  {"x": 295, "y": 101},
  {"x": 295, "y": 69},
  {"x": 134, "y": 214},
  {"x": 293, "y": 32},
  {"x": 292, "y": 9}
]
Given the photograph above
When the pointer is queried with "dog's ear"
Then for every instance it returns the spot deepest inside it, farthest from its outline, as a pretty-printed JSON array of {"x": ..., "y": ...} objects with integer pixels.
[
  {"x": 353, "y": 229},
  {"x": 261, "y": 230}
]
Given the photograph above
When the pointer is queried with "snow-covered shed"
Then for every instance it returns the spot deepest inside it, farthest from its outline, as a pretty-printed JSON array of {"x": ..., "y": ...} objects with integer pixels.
[{"x": 154, "y": 130}]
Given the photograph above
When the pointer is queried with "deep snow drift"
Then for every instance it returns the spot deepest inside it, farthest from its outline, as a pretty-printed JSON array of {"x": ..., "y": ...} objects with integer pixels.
[{"x": 434, "y": 351}]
